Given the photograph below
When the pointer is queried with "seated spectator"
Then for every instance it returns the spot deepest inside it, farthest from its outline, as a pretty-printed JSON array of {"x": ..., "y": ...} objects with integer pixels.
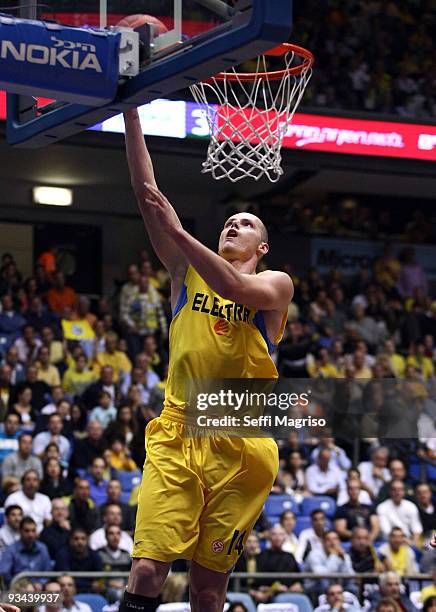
[
  {"x": 40, "y": 390},
  {"x": 114, "y": 497},
  {"x": 363, "y": 555},
  {"x": 57, "y": 395},
  {"x": 78, "y": 377},
  {"x": 11, "y": 321},
  {"x": 419, "y": 361},
  {"x": 288, "y": 521},
  {"x": 396, "y": 361},
  {"x": 61, "y": 296},
  {"x": 247, "y": 562},
  {"x": 47, "y": 372},
  {"x": 423, "y": 500},
  {"x": 329, "y": 559},
  {"x": 9, "y": 436},
  {"x": 82, "y": 510},
  {"x": 274, "y": 559},
  {"x": 367, "y": 328},
  {"x": 119, "y": 456},
  {"x": 389, "y": 587},
  {"x": 336, "y": 601},
  {"x": 111, "y": 516},
  {"x": 113, "y": 556},
  {"x": 18, "y": 372},
  {"x": 16, "y": 464},
  {"x": 88, "y": 448},
  {"x": 56, "y": 348},
  {"x": 360, "y": 370},
  {"x": 41, "y": 440},
  {"x": 26, "y": 554},
  {"x": 6, "y": 389},
  {"x": 128, "y": 290},
  {"x": 77, "y": 556},
  {"x": 56, "y": 535},
  {"x": 397, "y": 555},
  {"x": 104, "y": 383},
  {"x": 312, "y": 538},
  {"x": 323, "y": 477},
  {"x": 125, "y": 425},
  {"x": 69, "y": 588},
  {"x": 23, "y": 407},
  {"x": 397, "y": 471},
  {"x": 37, "y": 315},
  {"x": 144, "y": 379},
  {"x": 33, "y": 504},
  {"x": 355, "y": 514},
  {"x": 27, "y": 345},
  {"x": 105, "y": 412},
  {"x": 53, "y": 483},
  {"x": 10, "y": 531},
  {"x": 338, "y": 456},
  {"x": 322, "y": 366},
  {"x": 292, "y": 476},
  {"x": 374, "y": 472},
  {"x": 399, "y": 512},
  {"x": 119, "y": 361},
  {"x": 157, "y": 359},
  {"x": 97, "y": 482}
]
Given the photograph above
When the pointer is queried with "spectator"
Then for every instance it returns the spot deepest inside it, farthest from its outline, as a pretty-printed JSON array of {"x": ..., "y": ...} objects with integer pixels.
[
  {"x": 312, "y": 537},
  {"x": 293, "y": 477},
  {"x": 114, "y": 497},
  {"x": 82, "y": 510},
  {"x": 397, "y": 471},
  {"x": 54, "y": 484},
  {"x": 104, "y": 383},
  {"x": 61, "y": 296},
  {"x": 288, "y": 521},
  {"x": 338, "y": 456},
  {"x": 26, "y": 554},
  {"x": 37, "y": 315},
  {"x": 118, "y": 360},
  {"x": 78, "y": 377},
  {"x": 34, "y": 504},
  {"x": 423, "y": 497},
  {"x": 247, "y": 562},
  {"x": 56, "y": 535},
  {"x": 336, "y": 601},
  {"x": 363, "y": 555},
  {"x": 157, "y": 359},
  {"x": 119, "y": 456},
  {"x": 55, "y": 347},
  {"x": 40, "y": 390},
  {"x": 355, "y": 514},
  {"x": 18, "y": 373},
  {"x": 390, "y": 587},
  {"x": 54, "y": 604},
  {"x": 375, "y": 473},
  {"x": 398, "y": 556},
  {"x": 9, "y": 436},
  {"x": 27, "y": 345},
  {"x": 77, "y": 556},
  {"x": 411, "y": 276},
  {"x": 329, "y": 559},
  {"x": 396, "y": 360},
  {"x": 125, "y": 425},
  {"x": 57, "y": 395},
  {"x": 46, "y": 372},
  {"x": 97, "y": 483},
  {"x": 145, "y": 380},
  {"x": 88, "y": 448},
  {"x": 68, "y": 591},
  {"x": 111, "y": 516},
  {"x": 41, "y": 440},
  {"x": 10, "y": 322},
  {"x": 324, "y": 478},
  {"x": 23, "y": 407},
  {"x": 10, "y": 531},
  {"x": 5, "y": 389},
  {"x": 128, "y": 290},
  {"x": 399, "y": 512},
  {"x": 47, "y": 260},
  {"x": 18, "y": 463},
  {"x": 274, "y": 559},
  {"x": 105, "y": 411},
  {"x": 428, "y": 593},
  {"x": 113, "y": 556},
  {"x": 366, "y": 327}
]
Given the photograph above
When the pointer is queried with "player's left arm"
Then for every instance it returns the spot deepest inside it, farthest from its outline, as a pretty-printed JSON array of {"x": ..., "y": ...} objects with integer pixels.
[{"x": 269, "y": 291}]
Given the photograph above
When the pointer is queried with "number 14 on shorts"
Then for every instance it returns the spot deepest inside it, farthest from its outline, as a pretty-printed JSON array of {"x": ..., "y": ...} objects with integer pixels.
[{"x": 237, "y": 542}]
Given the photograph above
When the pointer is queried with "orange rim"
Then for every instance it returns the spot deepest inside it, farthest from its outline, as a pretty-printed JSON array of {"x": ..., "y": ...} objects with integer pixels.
[{"x": 307, "y": 57}]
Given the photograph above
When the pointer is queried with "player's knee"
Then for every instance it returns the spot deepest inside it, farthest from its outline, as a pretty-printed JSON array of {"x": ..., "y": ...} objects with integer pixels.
[
  {"x": 207, "y": 600},
  {"x": 146, "y": 577}
]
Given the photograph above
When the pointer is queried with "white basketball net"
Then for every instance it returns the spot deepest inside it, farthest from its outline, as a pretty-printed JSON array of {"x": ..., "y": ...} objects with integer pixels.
[{"x": 249, "y": 120}]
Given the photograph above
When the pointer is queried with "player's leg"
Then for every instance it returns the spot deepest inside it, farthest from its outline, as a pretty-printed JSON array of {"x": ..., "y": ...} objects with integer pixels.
[
  {"x": 145, "y": 583},
  {"x": 207, "y": 589}
]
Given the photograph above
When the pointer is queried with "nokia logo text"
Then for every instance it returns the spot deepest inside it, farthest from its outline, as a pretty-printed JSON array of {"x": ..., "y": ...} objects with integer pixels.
[{"x": 52, "y": 56}]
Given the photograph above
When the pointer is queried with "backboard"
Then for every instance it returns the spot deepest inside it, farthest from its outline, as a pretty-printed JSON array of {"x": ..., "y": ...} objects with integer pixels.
[{"x": 199, "y": 39}]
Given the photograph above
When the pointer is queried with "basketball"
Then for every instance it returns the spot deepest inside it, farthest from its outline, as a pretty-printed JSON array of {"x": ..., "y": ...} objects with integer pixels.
[{"x": 136, "y": 21}]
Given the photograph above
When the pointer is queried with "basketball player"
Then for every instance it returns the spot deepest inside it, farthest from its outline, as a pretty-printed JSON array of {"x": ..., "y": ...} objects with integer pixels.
[{"x": 200, "y": 496}]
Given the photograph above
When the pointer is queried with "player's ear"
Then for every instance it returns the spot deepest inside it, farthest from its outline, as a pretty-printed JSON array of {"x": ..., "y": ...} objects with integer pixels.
[{"x": 262, "y": 249}]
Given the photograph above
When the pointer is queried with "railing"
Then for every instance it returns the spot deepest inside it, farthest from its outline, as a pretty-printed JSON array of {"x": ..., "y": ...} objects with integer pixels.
[{"x": 235, "y": 578}]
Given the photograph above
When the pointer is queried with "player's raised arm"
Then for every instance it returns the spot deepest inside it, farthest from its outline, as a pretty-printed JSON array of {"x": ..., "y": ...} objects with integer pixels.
[{"x": 141, "y": 172}]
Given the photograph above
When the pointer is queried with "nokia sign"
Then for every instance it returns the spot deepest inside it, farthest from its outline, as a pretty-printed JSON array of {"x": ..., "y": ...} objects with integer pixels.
[{"x": 40, "y": 54}]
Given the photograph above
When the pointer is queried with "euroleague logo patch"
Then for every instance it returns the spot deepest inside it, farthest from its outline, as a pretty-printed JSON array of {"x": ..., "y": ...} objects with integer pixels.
[
  {"x": 221, "y": 327},
  {"x": 217, "y": 546}
]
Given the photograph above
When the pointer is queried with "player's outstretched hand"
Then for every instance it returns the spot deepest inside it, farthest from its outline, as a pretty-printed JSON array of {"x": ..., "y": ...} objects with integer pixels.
[
  {"x": 162, "y": 208},
  {"x": 5, "y": 607}
]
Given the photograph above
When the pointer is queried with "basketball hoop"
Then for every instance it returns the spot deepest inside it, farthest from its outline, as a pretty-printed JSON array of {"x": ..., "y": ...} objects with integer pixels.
[{"x": 250, "y": 113}]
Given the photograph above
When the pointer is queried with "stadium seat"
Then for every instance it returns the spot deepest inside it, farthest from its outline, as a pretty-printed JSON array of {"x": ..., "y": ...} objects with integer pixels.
[
  {"x": 243, "y": 598},
  {"x": 276, "y": 504},
  {"x": 128, "y": 480},
  {"x": 298, "y": 601},
  {"x": 95, "y": 602},
  {"x": 303, "y": 522},
  {"x": 319, "y": 502}
]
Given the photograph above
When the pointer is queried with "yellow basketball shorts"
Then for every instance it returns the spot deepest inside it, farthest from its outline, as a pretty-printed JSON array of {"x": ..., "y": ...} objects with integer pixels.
[{"x": 200, "y": 497}]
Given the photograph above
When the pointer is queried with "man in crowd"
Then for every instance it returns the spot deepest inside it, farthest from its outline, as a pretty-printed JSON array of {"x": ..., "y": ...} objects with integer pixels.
[
  {"x": 397, "y": 471},
  {"x": 354, "y": 514},
  {"x": 34, "y": 504},
  {"x": 82, "y": 510},
  {"x": 363, "y": 555},
  {"x": 374, "y": 472},
  {"x": 10, "y": 435},
  {"x": 97, "y": 483},
  {"x": 19, "y": 462},
  {"x": 56, "y": 534},
  {"x": 10, "y": 531},
  {"x": 311, "y": 538},
  {"x": 423, "y": 500},
  {"x": 106, "y": 382},
  {"x": 338, "y": 457},
  {"x": 111, "y": 516},
  {"x": 114, "y": 557},
  {"x": 68, "y": 592},
  {"x": 336, "y": 601},
  {"x": 41, "y": 440},
  {"x": 118, "y": 360},
  {"x": 398, "y": 555},
  {"x": 330, "y": 559},
  {"x": 323, "y": 477},
  {"x": 114, "y": 497},
  {"x": 399, "y": 512},
  {"x": 26, "y": 554},
  {"x": 77, "y": 556},
  {"x": 88, "y": 448},
  {"x": 390, "y": 586}
]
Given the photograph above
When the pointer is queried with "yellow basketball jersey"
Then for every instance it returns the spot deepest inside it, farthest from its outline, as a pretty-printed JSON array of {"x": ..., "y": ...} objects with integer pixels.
[{"x": 214, "y": 338}]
